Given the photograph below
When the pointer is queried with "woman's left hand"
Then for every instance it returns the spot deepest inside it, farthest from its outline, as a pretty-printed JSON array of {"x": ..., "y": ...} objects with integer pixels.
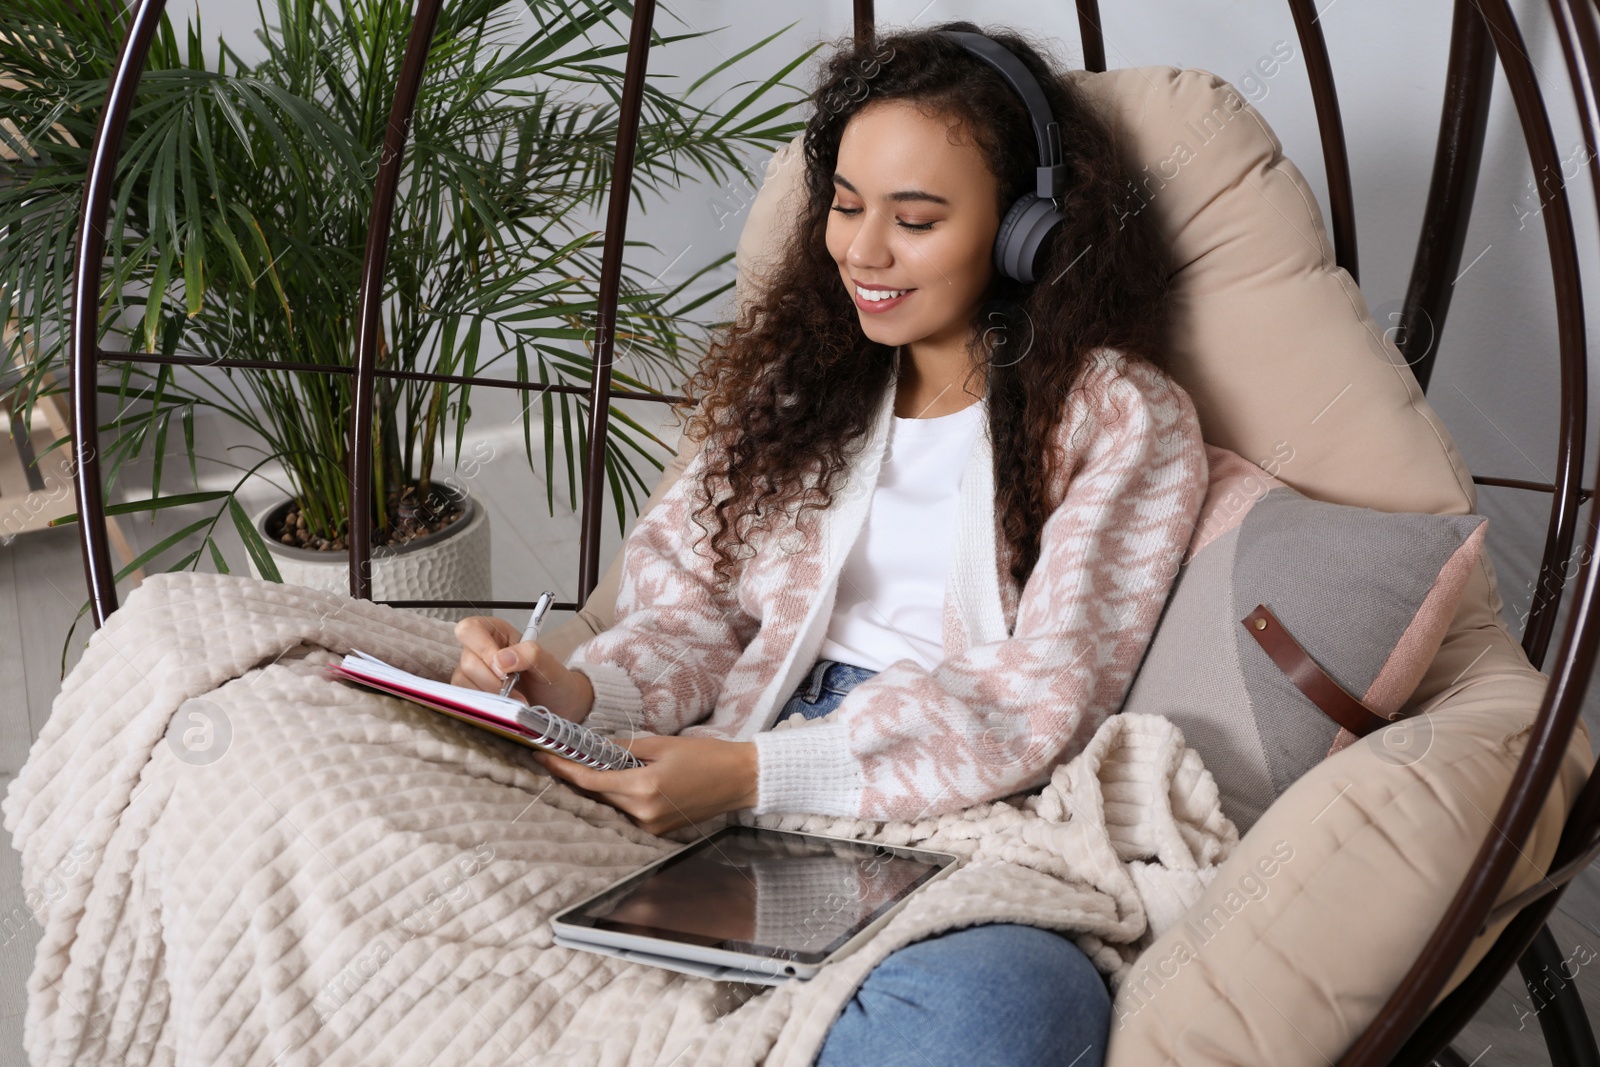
[{"x": 684, "y": 780}]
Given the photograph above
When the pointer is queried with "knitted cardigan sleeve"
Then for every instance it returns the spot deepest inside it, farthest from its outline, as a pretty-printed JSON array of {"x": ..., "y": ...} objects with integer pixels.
[
  {"x": 662, "y": 664},
  {"x": 912, "y": 742}
]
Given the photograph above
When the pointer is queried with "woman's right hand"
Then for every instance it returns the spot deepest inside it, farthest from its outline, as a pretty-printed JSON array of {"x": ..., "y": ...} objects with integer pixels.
[{"x": 490, "y": 650}]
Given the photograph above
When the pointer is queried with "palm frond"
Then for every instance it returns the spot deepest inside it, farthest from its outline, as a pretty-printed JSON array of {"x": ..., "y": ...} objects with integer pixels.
[{"x": 240, "y": 213}]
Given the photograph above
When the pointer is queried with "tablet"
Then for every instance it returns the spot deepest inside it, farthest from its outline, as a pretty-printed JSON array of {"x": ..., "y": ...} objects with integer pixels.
[{"x": 751, "y": 904}]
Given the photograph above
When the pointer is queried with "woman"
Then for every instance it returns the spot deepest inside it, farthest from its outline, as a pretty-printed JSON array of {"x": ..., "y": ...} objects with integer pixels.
[{"x": 943, "y": 511}]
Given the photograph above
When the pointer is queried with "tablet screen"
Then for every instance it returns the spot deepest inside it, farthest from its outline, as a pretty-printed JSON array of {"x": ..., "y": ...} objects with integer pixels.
[{"x": 766, "y": 892}]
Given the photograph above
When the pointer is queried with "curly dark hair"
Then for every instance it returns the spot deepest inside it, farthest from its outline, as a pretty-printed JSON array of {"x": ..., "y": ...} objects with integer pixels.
[{"x": 785, "y": 390}]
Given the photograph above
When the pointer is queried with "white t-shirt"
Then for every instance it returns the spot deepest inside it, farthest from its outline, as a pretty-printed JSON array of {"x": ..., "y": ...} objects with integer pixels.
[{"x": 890, "y": 604}]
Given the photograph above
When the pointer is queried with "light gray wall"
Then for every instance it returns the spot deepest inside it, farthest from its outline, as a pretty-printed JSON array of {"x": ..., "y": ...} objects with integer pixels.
[{"x": 1496, "y": 380}]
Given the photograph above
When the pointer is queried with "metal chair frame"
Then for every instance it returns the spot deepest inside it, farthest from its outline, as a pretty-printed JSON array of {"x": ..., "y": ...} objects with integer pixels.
[{"x": 1404, "y": 1031}]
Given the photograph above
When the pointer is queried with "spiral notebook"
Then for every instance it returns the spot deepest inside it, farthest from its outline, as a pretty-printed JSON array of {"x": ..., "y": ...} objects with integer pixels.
[{"x": 535, "y": 726}]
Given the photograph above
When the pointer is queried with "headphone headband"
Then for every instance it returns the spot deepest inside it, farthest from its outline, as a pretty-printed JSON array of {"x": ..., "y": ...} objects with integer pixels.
[{"x": 1051, "y": 176}]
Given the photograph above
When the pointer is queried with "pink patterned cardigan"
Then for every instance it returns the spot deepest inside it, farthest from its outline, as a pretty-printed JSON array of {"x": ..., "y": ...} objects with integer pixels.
[{"x": 1028, "y": 675}]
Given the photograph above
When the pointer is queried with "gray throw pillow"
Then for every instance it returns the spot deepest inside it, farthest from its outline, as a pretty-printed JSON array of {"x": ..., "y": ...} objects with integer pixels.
[{"x": 1367, "y": 594}]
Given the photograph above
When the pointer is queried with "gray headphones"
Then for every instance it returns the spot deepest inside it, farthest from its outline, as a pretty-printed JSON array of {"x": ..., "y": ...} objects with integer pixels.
[{"x": 1029, "y": 221}]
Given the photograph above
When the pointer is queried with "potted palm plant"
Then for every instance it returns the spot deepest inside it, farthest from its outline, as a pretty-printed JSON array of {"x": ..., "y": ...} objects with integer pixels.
[{"x": 238, "y": 228}]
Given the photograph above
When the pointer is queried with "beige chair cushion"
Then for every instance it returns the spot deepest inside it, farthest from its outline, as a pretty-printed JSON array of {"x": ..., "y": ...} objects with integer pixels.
[
  {"x": 1287, "y": 367},
  {"x": 1290, "y": 968}
]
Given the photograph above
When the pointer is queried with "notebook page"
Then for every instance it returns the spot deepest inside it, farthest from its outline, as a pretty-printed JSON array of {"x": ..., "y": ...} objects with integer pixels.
[{"x": 497, "y": 707}]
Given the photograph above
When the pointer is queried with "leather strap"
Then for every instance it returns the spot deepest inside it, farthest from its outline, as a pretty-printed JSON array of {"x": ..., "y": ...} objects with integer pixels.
[{"x": 1319, "y": 688}]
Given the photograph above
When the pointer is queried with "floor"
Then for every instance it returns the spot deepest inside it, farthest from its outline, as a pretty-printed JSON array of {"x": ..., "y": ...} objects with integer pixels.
[{"x": 42, "y": 589}]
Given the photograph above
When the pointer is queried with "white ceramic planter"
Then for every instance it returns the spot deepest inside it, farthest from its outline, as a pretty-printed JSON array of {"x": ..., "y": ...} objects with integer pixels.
[{"x": 450, "y": 565}]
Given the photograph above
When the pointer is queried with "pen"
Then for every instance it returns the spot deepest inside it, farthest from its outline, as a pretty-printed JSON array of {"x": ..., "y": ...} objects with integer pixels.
[{"x": 535, "y": 621}]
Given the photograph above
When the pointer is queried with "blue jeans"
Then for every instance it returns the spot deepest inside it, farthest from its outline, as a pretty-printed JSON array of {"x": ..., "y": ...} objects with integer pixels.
[
  {"x": 823, "y": 689},
  {"x": 998, "y": 993}
]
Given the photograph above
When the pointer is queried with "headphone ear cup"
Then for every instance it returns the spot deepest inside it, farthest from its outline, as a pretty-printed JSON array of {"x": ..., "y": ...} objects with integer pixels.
[{"x": 1022, "y": 233}]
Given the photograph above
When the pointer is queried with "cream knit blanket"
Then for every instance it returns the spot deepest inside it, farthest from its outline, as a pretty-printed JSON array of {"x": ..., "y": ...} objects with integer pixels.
[{"x": 237, "y": 860}]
